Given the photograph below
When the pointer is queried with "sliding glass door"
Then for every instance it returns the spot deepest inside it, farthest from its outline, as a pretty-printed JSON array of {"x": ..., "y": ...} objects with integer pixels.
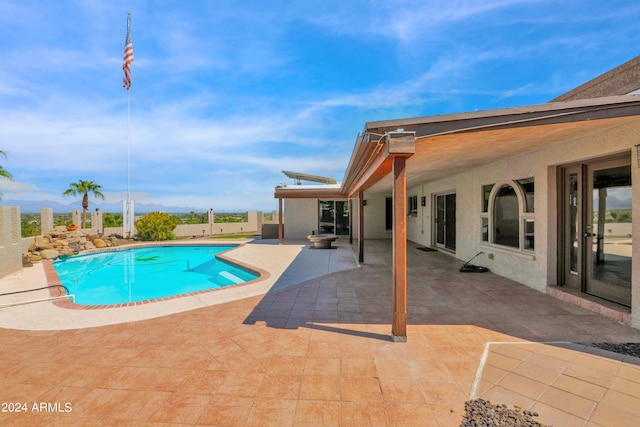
[
  {"x": 445, "y": 220},
  {"x": 333, "y": 217}
]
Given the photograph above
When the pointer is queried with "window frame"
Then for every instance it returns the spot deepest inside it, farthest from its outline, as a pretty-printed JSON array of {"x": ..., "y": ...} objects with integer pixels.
[
  {"x": 485, "y": 202},
  {"x": 526, "y": 242},
  {"x": 412, "y": 205}
]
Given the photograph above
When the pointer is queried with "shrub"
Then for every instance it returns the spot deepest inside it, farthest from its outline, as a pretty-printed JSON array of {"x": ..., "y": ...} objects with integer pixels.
[
  {"x": 29, "y": 228},
  {"x": 156, "y": 226},
  {"x": 112, "y": 220}
]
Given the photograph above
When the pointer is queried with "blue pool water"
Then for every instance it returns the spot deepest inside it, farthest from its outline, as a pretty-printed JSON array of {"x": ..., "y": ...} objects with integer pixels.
[{"x": 138, "y": 274}]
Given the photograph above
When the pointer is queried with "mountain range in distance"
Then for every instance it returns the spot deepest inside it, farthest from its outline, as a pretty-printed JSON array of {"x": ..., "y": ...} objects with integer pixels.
[{"x": 34, "y": 206}]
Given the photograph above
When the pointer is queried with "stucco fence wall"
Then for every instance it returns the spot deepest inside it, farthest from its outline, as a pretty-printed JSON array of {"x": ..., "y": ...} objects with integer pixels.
[
  {"x": 254, "y": 222},
  {"x": 10, "y": 240},
  {"x": 13, "y": 246}
]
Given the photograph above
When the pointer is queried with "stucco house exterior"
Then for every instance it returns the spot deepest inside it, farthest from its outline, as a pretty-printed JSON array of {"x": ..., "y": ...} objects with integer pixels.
[{"x": 550, "y": 194}]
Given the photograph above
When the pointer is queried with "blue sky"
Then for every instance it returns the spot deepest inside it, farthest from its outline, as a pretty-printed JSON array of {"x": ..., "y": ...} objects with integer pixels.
[{"x": 226, "y": 94}]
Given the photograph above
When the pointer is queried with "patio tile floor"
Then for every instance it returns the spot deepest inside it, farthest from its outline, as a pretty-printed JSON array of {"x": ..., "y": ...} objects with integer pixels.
[{"x": 319, "y": 353}]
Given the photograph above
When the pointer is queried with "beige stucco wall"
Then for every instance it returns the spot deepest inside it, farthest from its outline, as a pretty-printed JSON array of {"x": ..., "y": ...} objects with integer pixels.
[
  {"x": 300, "y": 217},
  {"x": 374, "y": 216},
  {"x": 10, "y": 240},
  {"x": 523, "y": 266}
]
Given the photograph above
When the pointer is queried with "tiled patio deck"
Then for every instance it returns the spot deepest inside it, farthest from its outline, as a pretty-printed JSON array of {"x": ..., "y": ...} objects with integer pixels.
[{"x": 319, "y": 353}]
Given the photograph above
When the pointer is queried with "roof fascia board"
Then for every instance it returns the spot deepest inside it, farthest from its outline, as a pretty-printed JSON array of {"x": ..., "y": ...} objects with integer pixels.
[
  {"x": 460, "y": 122},
  {"x": 379, "y": 167},
  {"x": 300, "y": 176},
  {"x": 299, "y": 192},
  {"x": 367, "y": 165},
  {"x": 559, "y": 112}
]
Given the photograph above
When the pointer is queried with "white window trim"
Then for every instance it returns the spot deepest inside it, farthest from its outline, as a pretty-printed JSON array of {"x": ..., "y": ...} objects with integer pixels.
[{"x": 522, "y": 216}]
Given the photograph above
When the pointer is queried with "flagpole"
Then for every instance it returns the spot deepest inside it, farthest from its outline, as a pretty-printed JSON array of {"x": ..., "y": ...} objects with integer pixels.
[
  {"x": 129, "y": 265},
  {"x": 128, "y": 146},
  {"x": 126, "y": 68}
]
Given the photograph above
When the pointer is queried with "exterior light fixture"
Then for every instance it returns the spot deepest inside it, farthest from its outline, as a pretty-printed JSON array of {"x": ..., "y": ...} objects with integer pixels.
[{"x": 638, "y": 154}]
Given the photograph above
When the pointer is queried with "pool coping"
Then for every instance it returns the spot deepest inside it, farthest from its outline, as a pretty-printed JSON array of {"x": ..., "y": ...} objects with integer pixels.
[{"x": 55, "y": 283}]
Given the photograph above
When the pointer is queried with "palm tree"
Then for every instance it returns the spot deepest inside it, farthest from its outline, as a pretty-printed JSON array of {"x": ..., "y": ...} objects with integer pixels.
[
  {"x": 3, "y": 172},
  {"x": 84, "y": 187}
]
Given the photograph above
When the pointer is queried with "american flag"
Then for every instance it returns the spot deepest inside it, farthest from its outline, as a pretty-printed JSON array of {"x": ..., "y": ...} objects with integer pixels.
[{"x": 128, "y": 55}]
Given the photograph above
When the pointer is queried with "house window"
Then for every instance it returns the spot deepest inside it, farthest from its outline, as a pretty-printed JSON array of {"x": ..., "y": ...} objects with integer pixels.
[
  {"x": 412, "y": 205},
  {"x": 527, "y": 188},
  {"x": 485, "y": 229},
  {"x": 484, "y": 217},
  {"x": 529, "y": 234},
  {"x": 486, "y": 193},
  {"x": 507, "y": 216}
]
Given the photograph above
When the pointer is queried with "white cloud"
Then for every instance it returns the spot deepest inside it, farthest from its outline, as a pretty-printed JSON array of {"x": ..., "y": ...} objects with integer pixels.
[{"x": 7, "y": 185}]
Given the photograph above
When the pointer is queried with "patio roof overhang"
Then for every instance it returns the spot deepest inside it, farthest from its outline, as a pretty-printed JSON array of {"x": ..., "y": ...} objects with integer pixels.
[
  {"x": 447, "y": 144},
  {"x": 309, "y": 191}
]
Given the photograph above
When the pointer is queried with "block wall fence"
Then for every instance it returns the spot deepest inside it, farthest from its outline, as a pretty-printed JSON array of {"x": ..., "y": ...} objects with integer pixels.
[{"x": 13, "y": 246}]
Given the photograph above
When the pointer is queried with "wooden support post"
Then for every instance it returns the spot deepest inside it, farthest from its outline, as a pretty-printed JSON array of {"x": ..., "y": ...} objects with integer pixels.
[
  {"x": 360, "y": 226},
  {"x": 280, "y": 227},
  {"x": 399, "y": 325}
]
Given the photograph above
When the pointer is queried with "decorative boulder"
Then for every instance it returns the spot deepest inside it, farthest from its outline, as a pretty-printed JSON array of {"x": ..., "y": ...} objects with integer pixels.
[
  {"x": 99, "y": 243},
  {"x": 61, "y": 243},
  {"x": 49, "y": 254},
  {"x": 42, "y": 243}
]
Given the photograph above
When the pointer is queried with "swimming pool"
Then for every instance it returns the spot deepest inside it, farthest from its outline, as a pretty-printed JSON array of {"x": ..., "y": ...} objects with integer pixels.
[{"x": 146, "y": 273}]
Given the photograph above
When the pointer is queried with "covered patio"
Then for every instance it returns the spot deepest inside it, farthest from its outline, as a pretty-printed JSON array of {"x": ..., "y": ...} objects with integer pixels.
[
  {"x": 320, "y": 353},
  {"x": 393, "y": 155}
]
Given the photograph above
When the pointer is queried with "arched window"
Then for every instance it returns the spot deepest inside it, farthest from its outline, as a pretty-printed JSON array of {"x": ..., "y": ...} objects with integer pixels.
[{"x": 506, "y": 217}]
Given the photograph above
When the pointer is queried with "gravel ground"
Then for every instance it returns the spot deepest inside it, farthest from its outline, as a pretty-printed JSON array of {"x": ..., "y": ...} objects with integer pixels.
[
  {"x": 483, "y": 413},
  {"x": 627, "y": 348}
]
